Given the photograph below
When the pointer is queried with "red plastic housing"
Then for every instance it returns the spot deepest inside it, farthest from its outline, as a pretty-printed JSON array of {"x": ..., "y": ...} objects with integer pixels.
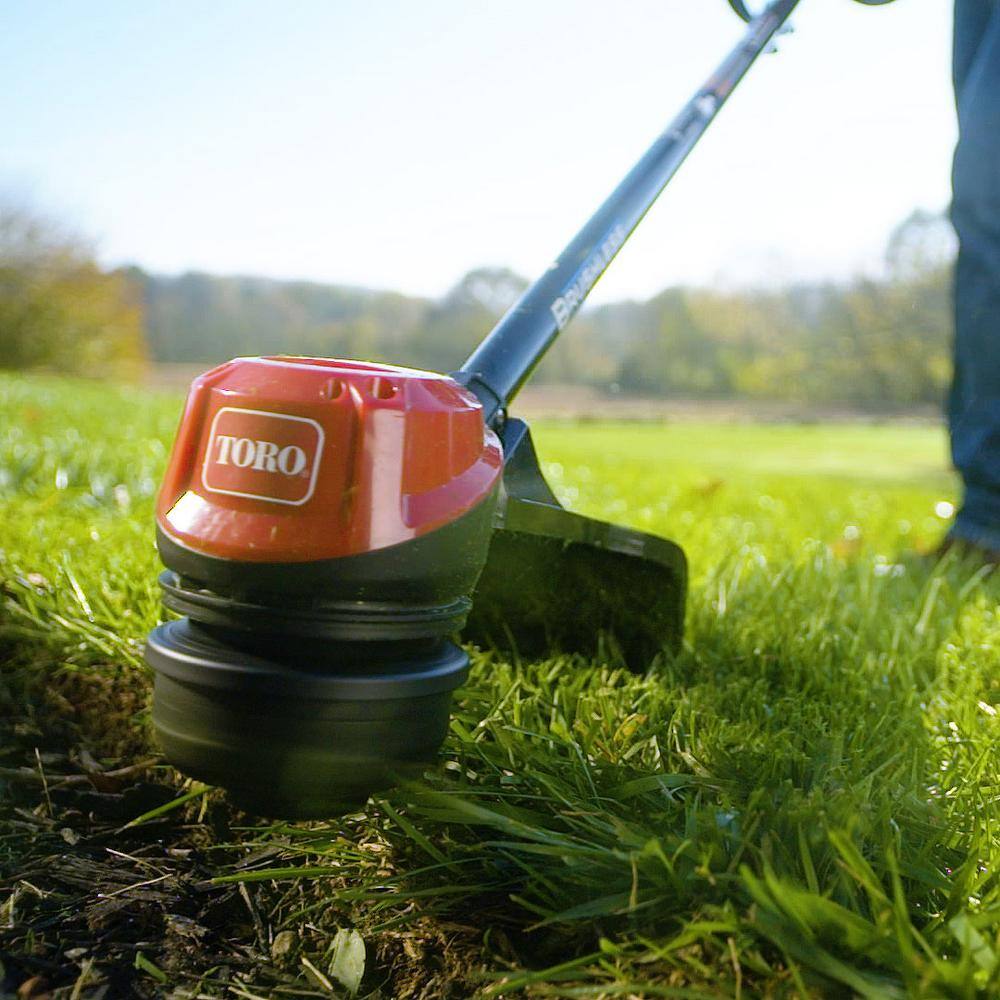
[{"x": 300, "y": 459}]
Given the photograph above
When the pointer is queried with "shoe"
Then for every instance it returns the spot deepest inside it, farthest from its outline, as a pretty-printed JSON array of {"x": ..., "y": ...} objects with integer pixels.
[{"x": 966, "y": 550}]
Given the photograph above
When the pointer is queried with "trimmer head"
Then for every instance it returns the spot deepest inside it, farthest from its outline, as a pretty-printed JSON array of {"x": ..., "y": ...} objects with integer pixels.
[
  {"x": 299, "y": 727},
  {"x": 325, "y": 525}
]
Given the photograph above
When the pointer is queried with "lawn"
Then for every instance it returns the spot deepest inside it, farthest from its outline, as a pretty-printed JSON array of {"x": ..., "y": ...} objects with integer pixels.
[{"x": 802, "y": 802}]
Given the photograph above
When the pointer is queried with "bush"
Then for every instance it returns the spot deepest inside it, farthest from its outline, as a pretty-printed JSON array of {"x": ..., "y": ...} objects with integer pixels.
[{"x": 58, "y": 310}]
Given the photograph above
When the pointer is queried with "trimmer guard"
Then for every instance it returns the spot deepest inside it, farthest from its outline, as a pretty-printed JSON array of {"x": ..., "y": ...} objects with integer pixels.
[{"x": 556, "y": 581}]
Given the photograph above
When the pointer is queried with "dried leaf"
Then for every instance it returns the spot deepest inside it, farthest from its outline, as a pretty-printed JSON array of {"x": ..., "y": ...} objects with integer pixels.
[{"x": 347, "y": 964}]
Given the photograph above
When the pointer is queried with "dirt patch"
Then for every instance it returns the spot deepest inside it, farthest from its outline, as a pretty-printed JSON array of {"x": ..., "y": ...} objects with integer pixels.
[{"x": 92, "y": 906}]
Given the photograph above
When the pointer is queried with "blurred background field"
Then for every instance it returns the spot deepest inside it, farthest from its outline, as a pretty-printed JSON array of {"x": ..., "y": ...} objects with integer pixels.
[{"x": 825, "y": 349}]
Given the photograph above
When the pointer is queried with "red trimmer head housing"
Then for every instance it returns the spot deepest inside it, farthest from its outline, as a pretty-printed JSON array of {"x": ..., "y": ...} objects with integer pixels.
[
  {"x": 289, "y": 460},
  {"x": 323, "y": 524}
]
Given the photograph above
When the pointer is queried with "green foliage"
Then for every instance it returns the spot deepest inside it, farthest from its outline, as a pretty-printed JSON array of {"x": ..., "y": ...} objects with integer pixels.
[
  {"x": 872, "y": 344},
  {"x": 453, "y": 327},
  {"x": 868, "y": 343},
  {"x": 58, "y": 309},
  {"x": 800, "y": 803},
  {"x": 201, "y": 318}
]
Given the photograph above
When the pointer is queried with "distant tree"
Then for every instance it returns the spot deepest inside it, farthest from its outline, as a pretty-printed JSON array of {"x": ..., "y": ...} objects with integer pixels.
[
  {"x": 923, "y": 242},
  {"x": 493, "y": 289},
  {"x": 58, "y": 310},
  {"x": 453, "y": 326},
  {"x": 868, "y": 343},
  {"x": 679, "y": 355},
  {"x": 203, "y": 318}
]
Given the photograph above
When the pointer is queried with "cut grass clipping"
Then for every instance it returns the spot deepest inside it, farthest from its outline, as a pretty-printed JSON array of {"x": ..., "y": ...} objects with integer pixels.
[{"x": 803, "y": 802}]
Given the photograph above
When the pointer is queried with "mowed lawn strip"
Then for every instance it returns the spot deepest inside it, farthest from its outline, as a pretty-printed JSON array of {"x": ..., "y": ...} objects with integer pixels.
[{"x": 803, "y": 802}]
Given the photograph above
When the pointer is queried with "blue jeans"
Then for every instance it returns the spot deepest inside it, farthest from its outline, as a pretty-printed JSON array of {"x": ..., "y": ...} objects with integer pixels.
[{"x": 974, "y": 402}]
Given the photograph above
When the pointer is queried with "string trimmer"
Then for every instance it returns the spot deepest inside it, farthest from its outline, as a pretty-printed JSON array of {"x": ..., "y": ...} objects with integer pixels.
[{"x": 329, "y": 527}]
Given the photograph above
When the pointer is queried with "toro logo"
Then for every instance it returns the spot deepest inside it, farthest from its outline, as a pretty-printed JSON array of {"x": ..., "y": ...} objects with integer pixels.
[{"x": 262, "y": 456}]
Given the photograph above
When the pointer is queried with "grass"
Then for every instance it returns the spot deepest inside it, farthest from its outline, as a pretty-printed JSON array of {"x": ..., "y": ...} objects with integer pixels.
[{"x": 803, "y": 802}]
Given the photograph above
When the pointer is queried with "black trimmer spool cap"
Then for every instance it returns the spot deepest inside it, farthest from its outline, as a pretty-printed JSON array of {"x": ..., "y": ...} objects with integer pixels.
[
  {"x": 302, "y": 688},
  {"x": 299, "y": 728}
]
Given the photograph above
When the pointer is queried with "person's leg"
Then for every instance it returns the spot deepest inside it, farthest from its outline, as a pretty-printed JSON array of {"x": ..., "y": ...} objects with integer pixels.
[
  {"x": 972, "y": 18},
  {"x": 974, "y": 402}
]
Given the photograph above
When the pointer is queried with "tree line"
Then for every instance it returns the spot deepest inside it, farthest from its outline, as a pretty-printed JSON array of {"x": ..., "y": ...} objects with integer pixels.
[{"x": 870, "y": 343}]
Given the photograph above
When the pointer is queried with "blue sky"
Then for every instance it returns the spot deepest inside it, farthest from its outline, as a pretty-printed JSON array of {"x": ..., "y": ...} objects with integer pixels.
[{"x": 397, "y": 145}]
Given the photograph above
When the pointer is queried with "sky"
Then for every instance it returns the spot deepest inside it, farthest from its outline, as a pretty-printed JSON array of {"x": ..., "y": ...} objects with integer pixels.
[{"x": 397, "y": 144}]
